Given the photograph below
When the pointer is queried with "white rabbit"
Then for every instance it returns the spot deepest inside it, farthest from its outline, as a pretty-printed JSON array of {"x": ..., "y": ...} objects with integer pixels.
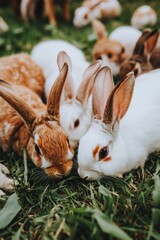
[
  {"x": 75, "y": 111},
  {"x": 125, "y": 129},
  {"x": 143, "y": 16},
  {"x": 94, "y": 9},
  {"x": 117, "y": 47}
]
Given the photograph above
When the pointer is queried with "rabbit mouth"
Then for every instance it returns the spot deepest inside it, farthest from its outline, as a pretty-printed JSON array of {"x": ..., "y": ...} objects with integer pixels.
[{"x": 59, "y": 171}]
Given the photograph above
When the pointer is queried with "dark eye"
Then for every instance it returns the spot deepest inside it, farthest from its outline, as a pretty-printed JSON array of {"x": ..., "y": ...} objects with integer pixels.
[
  {"x": 68, "y": 140},
  {"x": 136, "y": 72},
  {"x": 37, "y": 149},
  {"x": 122, "y": 50},
  {"x": 110, "y": 55},
  {"x": 103, "y": 152},
  {"x": 76, "y": 123}
]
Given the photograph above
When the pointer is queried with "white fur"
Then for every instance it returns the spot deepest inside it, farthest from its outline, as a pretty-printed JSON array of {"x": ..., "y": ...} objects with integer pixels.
[
  {"x": 127, "y": 36},
  {"x": 45, "y": 54},
  {"x": 143, "y": 16},
  {"x": 113, "y": 65},
  {"x": 112, "y": 8},
  {"x": 137, "y": 135}
]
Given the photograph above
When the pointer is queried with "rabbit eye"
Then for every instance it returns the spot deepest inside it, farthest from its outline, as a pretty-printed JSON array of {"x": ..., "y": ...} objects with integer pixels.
[
  {"x": 37, "y": 149},
  {"x": 110, "y": 55},
  {"x": 123, "y": 50},
  {"x": 103, "y": 152},
  {"x": 136, "y": 72},
  {"x": 76, "y": 123}
]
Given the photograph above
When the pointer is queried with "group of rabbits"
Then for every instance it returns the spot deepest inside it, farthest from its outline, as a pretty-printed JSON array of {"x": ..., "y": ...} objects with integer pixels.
[{"x": 114, "y": 127}]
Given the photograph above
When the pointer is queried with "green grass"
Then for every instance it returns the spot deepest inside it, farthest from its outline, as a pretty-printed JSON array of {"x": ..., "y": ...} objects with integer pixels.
[{"x": 112, "y": 208}]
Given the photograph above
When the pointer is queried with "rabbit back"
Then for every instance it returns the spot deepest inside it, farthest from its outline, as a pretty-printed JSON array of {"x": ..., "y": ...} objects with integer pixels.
[{"x": 21, "y": 69}]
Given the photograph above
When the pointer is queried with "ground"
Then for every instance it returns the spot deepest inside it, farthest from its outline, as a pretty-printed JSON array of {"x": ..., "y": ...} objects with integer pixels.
[{"x": 117, "y": 208}]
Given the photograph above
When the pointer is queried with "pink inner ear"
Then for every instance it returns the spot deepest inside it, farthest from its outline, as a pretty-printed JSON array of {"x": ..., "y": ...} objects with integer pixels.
[
  {"x": 69, "y": 87},
  {"x": 103, "y": 86}
]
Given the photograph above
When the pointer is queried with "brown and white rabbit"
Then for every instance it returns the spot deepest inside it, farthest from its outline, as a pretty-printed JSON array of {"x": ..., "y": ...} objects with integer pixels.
[
  {"x": 25, "y": 122},
  {"x": 21, "y": 69},
  {"x": 117, "y": 47},
  {"x": 142, "y": 59},
  {"x": 28, "y": 9}
]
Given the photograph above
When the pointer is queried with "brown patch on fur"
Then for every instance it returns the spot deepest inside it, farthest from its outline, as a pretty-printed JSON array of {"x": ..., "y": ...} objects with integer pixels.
[
  {"x": 107, "y": 159},
  {"x": 95, "y": 151}
]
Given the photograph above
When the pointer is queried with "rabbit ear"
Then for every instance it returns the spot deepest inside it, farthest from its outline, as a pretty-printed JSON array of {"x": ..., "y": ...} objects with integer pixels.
[
  {"x": 99, "y": 29},
  {"x": 8, "y": 93},
  {"x": 69, "y": 85},
  {"x": 119, "y": 100},
  {"x": 146, "y": 43},
  {"x": 53, "y": 103},
  {"x": 86, "y": 87},
  {"x": 103, "y": 86},
  {"x": 151, "y": 42}
]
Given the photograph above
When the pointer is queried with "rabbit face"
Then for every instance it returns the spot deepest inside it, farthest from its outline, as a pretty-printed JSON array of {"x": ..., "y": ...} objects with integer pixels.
[
  {"x": 75, "y": 120},
  {"x": 94, "y": 152},
  {"x": 50, "y": 150}
]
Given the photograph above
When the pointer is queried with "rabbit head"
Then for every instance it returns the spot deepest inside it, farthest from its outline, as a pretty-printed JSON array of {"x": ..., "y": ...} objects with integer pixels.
[
  {"x": 96, "y": 154},
  {"x": 46, "y": 143},
  {"x": 140, "y": 60},
  {"x": 75, "y": 111},
  {"x": 86, "y": 13},
  {"x": 111, "y": 52}
]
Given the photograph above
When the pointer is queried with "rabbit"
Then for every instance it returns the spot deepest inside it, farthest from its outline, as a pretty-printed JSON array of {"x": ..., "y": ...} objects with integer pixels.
[
  {"x": 143, "y": 16},
  {"x": 25, "y": 122},
  {"x": 75, "y": 109},
  {"x": 142, "y": 59},
  {"x": 125, "y": 127},
  {"x": 28, "y": 9},
  {"x": 116, "y": 48},
  {"x": 93, "y": 9},
  {"x": 22, "y": 70}
]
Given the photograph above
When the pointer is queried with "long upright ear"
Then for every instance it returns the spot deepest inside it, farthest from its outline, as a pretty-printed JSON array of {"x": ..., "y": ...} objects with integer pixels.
[
  {"x": 53, "y": 103},
  {"x": 99, "y": 28},
  {"x": 146, "y": 43},
  {"x": 103, "y": 86},
  {"x": 63, "y": 58},
  {"x": 119, "y": 100},
  {"x": 86, "y": 87},
  {"x": 151, "y": 42},
  {"x": 8, "y": 93}
]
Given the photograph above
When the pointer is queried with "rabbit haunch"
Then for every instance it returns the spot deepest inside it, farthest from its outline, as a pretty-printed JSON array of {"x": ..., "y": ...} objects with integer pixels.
[
  {"x": 25, "y": 122},
  {"x": 75, "y": 109},
  {"x": 21, "y": 69},
  {"x": 125, "y": 129}
]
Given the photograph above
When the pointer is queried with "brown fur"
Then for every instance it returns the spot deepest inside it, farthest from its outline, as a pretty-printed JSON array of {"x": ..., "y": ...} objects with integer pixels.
[
  {"x": 95, "y": 151},
  {"x": 104, "y": 46},
  {"x": 49, "y": 9},
  {"x": 39, "y": 126},
  {"x": 21, "y": 69},
  {"x": 142, "y": 59}
]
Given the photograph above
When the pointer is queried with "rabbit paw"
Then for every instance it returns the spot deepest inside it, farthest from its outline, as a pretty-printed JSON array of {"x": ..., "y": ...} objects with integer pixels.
[{"x": 5, "y": 182}]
